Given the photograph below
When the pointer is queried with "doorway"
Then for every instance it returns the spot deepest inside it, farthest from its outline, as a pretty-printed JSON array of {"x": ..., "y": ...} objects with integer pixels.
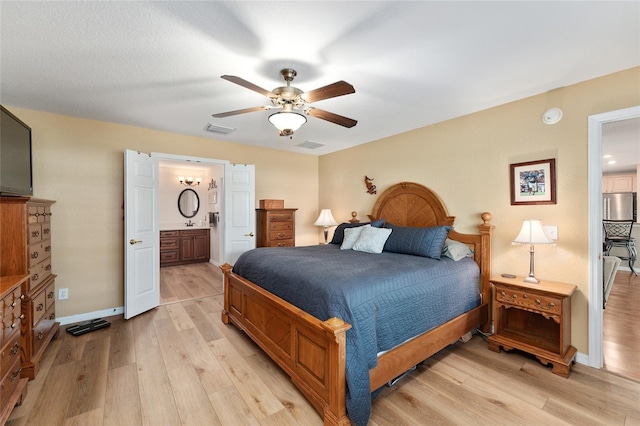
[
  {"x": 596, "y": 312},
  {"x": 142, "y": 255}
]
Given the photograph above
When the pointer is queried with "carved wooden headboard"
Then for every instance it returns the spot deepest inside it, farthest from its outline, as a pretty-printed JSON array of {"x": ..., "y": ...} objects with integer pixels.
[{"x": 412, "y": 204}]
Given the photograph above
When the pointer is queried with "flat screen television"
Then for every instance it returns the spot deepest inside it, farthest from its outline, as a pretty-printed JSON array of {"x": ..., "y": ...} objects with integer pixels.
[{"x": 15, "y": 155}]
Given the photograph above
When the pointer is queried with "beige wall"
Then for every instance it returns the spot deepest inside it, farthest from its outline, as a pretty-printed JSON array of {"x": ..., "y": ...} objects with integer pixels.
[
  {"x": 79, "y": 163},
  {"x": 466, "y": 161}
]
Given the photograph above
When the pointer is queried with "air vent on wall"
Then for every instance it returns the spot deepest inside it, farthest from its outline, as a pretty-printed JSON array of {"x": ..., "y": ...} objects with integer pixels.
[
  {"x": 214, "y": 128},
  {"x": 310, "y": 145}
]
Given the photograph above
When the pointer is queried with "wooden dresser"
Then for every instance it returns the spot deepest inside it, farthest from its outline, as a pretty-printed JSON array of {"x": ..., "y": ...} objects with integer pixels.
[
  {"x": 13, "y": 387},
  {"x": 184, "y": 246},
  {"x": 39, "y": 325},
  {"x": 276, "y": 227}
]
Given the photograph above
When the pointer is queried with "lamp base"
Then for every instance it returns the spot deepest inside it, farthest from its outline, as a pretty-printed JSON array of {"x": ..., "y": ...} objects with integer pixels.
[{"x": 531, "y": 279}]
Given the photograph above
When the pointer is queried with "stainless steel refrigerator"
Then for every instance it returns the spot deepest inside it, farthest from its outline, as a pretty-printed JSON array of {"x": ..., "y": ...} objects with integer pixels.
[{"x": 619, "y": 206}]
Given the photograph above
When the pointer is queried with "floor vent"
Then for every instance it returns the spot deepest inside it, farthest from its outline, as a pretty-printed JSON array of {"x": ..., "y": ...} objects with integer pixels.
[
  {"x": 310, "y": 145},
  {"x": 214, "y": 128}
]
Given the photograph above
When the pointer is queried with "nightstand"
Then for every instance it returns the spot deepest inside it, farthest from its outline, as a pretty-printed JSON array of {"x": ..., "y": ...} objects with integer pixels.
[{"x": 534, "y": 318}]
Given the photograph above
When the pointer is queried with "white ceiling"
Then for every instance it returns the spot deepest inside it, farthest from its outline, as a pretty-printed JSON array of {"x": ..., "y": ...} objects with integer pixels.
[{"x": 158, "y": 64}]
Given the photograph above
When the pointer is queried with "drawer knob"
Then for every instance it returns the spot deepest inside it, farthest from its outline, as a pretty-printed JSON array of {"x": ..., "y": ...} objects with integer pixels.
[
  {"x": 551, "y": 304},
  {"x": 538, "y": 301},
  {"x": 15, "y": 349},
  {"x": 39, "y": 307},
  {"x": 50, "y": 295},
  {"x": 524, "y": 296},
  {"x": 34, "y": 255},
  {"x": 514, "y": 296},
  {"x": 40, "y": 335}
]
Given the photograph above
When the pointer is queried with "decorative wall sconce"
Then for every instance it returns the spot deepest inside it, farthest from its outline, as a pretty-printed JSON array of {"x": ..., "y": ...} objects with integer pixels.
[{"x": 189, "y": 181}]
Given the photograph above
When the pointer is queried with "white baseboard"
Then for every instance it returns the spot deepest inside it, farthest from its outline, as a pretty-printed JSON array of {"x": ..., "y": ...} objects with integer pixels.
[{"x": 90, "y": 315}]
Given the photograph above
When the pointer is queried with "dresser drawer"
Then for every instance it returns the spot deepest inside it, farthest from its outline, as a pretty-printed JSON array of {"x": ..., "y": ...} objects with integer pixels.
[
  {"x": 167, "y": 256},
  {"x": 280, "y": 217},
  {"x": 281, "y": 226},
  {"x": 282, "y": 243},
  {"x": 39, "y": 273},
  {"x": 529, "y": 300},
  {"x": 11, "y": 302},
  {"x": 50, "y": 295},
  {"x": 9, "y": 354},
  {"x": 10, "y": 382},
  {"x": 193, "y": 232},
  {"x": 35, "y": 233},
  {"x": 38, "y": 307},
  {"x": 281, "y": 235},
  {"x": 42, "y": 329},
  {"x": 10, "y": 326}
]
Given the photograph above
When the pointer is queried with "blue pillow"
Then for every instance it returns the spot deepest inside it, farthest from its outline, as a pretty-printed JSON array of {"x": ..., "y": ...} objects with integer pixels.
[
  {"x": 426, "y": 242},
  {"x": 338, "y": 235}
]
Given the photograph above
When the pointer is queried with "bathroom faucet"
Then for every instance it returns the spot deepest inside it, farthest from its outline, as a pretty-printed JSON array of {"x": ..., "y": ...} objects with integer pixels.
[{"x": 189, "y": 223}]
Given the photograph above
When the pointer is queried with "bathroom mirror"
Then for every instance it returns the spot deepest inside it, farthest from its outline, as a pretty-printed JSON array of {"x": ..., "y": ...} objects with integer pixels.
[{"x": 188, "y": 203}]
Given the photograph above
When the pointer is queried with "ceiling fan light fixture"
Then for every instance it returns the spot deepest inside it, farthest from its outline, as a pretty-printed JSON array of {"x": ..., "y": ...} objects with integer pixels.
[{"x": 287, "y": 122}]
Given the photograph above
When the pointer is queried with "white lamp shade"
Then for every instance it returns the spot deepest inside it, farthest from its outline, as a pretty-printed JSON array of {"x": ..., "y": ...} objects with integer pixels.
[
  {"x": 325, "y": 218},
  {"x": 532, "y": 232},
  {"x": 287, "y": 120}
]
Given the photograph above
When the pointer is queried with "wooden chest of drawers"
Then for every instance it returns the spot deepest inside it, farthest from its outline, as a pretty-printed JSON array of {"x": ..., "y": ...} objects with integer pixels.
[
  {"x": 13, "y": 387},
  {"x": 276, "y": 227},
  {"x": 39, "y": 325}
]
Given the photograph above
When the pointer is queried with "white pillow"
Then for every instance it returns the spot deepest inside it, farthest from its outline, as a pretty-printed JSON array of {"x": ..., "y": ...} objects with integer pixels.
[
  {"x": 371, "y": 240},
  {"x": 456, "y": 250},
  {"x": 351, "y": 236}
]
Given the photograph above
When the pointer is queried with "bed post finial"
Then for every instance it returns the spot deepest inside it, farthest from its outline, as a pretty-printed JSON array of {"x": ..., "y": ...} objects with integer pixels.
[{"x": 486, "y": 218}]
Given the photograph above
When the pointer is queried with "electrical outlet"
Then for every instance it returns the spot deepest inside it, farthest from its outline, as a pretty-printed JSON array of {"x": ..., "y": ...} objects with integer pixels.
[{"x": 63, "y": 293}]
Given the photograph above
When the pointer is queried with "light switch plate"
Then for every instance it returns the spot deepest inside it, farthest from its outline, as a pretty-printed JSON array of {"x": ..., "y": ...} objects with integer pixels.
[{"x": 552, "y": 231}]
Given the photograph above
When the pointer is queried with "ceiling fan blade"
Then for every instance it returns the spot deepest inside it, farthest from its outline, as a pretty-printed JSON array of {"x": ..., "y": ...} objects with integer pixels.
[
  {"x": 334, "y": 118},
  {"x": 244, "y": 83},
  {"x": 338, "y": 88},
  {"x": 240, "y": 111}
]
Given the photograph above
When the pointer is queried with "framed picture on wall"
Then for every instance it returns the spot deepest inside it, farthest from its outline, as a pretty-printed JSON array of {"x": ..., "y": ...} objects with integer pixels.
[{"x": 533, "y": 182}]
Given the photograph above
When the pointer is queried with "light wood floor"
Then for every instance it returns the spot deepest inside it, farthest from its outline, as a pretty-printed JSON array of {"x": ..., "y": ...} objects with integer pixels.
[
  {"x": 621, "y": 326},
  {"x": 187, "y": 282},
  {"x": 179, "y": 365}
]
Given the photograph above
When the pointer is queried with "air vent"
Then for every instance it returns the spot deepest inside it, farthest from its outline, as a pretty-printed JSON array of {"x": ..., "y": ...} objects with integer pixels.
[
  {"x": 214, "y": 128},
  {"x": 310, "y": 145}
]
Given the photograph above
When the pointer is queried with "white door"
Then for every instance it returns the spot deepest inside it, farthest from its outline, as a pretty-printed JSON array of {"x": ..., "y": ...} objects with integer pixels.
[
  {"x": 141, "y": 234},
  {"x": 239, "y": 219}
]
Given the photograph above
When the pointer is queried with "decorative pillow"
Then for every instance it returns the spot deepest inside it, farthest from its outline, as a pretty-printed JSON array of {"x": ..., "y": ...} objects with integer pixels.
[
  {"x": 456, "y": 250},
  {"x": 426, "y": 242},
  {"x": 338, "y": 235},
  {"x": 371, "y": 240},
  {"x": 351, "y": 236}
]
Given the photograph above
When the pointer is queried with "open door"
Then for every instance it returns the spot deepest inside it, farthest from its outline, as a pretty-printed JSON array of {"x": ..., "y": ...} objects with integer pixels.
[
  {"x": 141, "y": 234},
  {"x": 240, "y": 210}
]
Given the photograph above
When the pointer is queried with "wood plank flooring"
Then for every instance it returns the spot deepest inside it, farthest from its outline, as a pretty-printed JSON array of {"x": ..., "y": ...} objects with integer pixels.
[
  {"x": 187, "y": 282},
  {"x": 179, "y": 365},
  {"x": 621, "y": 326}
]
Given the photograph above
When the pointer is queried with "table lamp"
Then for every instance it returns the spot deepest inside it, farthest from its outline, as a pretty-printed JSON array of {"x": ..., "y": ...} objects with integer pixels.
[
  {"x": 326, "y": 219},
  {"x": 532, "y": 233}
]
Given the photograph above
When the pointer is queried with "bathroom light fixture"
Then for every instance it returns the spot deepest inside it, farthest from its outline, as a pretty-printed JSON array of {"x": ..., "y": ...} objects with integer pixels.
[
  {"x": 532, "y": 233},
  {"x": 189, "y": 181}
]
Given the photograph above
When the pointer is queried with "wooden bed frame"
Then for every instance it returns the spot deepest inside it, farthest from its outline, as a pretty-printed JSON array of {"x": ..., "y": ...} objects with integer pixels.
[{"x": 313, "y": 352}]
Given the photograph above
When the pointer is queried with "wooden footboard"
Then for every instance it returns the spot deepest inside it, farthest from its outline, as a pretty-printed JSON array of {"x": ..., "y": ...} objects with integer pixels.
[
  {"x": 313, "y": 352},
  {"x": 310, "y": 351}
]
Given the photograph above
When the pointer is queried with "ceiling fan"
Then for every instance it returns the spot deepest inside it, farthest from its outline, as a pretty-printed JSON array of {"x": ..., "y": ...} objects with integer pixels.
[{"x": 291, "y": 99}]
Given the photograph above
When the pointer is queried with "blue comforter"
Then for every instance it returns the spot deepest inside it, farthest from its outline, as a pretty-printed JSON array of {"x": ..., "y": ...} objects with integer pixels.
[{"x": 387, "y": 298}]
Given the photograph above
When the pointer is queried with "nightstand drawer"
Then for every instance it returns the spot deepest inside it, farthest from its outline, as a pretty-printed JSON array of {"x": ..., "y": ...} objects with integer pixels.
[{"x": 529, "y": 300}]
